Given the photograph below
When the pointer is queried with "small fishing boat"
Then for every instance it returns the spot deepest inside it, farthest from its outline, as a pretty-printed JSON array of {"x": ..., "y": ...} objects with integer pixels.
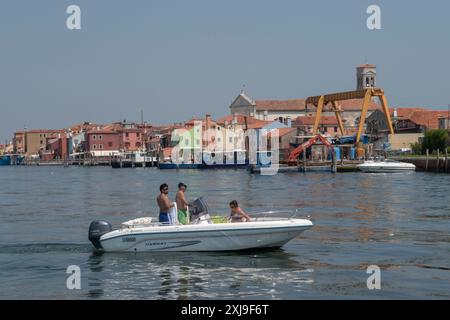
[{"x": 144, "y": 235}]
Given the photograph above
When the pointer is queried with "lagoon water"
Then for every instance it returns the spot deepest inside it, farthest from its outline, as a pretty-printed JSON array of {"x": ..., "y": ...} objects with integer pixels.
[{"x": 399, "y": 222}]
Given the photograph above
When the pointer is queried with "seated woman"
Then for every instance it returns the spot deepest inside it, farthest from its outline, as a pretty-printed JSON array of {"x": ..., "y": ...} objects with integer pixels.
[{"x": 237, "y": 214}]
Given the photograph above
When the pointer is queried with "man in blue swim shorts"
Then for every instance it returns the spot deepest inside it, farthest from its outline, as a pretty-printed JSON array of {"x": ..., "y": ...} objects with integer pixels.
[{"x": 164, "y": 204}]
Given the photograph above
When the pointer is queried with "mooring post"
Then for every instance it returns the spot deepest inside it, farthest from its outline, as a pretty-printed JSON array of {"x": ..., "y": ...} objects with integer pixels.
[
  {"x": 334, "y": 164},
  {"x": 446, "y": 161},
  {"x": 426, "y": 161},
  {"x": 304, "y": 160},
  {"x": 437, "y": 161}
]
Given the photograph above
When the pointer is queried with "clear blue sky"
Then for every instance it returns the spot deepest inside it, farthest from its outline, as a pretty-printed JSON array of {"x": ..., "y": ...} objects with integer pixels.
[{"x": 176, "y": 59}]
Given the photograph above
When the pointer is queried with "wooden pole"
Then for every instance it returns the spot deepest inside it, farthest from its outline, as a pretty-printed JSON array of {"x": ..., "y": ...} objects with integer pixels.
[
  {"x": 333, "y": 165},
  {"x": 437, "y": 161},
  {"x": 446, "y": 161},
  {"x": 304, "y": 160},
  {"x": 426, "y": 161}
]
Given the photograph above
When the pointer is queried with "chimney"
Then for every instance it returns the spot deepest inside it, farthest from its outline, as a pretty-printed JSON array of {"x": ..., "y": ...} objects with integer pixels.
[
  {"x": 208, "y": 121},
  {"x": 395, "y": 113}
]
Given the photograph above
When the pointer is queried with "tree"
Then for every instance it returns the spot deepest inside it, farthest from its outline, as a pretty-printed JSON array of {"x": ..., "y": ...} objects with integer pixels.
[{"x": 435, "y": 140}]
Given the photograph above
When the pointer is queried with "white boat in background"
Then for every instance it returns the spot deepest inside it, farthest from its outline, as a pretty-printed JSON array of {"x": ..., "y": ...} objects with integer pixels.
[
  {"x": 142, "y": 235},
  {"x": 386, "y": 166}
]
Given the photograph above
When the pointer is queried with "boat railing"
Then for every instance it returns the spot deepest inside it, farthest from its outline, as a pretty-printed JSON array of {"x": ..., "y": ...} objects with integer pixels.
[
  {"x": 277, "y": 215},
  {"x": 271, "y": 215}
]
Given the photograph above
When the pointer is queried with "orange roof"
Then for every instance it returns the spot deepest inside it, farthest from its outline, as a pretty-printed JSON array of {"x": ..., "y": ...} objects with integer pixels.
[
  {"x": 252, "y": 122},
  {"x": 282, "y": 131},
  {"x": 46, "y": 131},
  {"x": 308, "y": 121},
  {"x": 355, "y": 105},
  {"x": 278, "y": 105},
  {"x": 421, "y": 116},
  {"x": 85, "y": 126},
  {"x": 367, "y": 65}
]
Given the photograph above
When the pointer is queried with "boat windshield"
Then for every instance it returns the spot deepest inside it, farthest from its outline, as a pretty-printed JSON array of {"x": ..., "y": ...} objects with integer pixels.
[{"x": 197, "y": 209}]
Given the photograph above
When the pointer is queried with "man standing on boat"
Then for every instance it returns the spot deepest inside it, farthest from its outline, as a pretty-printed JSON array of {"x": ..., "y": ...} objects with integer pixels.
[
  {"x": 182, "y": 204},
  {"x": 164, "y": 204}
]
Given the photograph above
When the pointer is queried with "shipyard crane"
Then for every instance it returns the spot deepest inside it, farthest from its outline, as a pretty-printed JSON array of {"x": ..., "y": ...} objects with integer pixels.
[{"x": 366, "y": 95}]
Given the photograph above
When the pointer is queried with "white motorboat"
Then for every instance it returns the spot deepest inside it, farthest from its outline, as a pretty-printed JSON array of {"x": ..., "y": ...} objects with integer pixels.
[
  {"x": 386, "y": 166},
  {"x": 143, "y": 235}
]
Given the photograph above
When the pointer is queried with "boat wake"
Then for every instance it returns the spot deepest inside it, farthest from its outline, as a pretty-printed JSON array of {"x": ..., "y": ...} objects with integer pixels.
[{"x": 21, "y": 248}]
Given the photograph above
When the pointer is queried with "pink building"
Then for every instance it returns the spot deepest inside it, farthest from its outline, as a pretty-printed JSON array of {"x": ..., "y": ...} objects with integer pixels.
[{"x": 115, "y": 138}]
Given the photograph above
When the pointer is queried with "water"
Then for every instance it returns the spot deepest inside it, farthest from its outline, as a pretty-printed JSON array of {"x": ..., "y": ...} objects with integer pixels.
[{"x": 400, "y": 222}]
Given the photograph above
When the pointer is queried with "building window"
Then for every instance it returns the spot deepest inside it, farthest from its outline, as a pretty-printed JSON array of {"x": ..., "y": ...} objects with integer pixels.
[
  {"x": 94, "y": 146},
  {"x": 335, "y": 129},
  {"x": 230, "y": 139},
  {"x": 110, "y": 144},
  {"x": 100, "y": 137},
  {"x": 100, "y": 146},
  {"x": 126, "y": 134},
  {"x": 42, "y": 142},
  {"x": 94, "y": 137}
]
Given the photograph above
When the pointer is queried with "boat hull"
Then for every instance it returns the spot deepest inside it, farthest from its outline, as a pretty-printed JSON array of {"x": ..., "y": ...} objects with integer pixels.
[
  {"x": 374, "y": 169},
  {"x": 208, "y": 237}
]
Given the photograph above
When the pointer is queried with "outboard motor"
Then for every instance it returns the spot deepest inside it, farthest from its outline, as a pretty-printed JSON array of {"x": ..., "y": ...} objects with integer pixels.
[
  {"x": 96, "y": 230},
  {"x": 198, "y": 211}
]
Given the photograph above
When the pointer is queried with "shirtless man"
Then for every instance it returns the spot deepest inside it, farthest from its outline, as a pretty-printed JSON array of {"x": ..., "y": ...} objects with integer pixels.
[
  {"x": 164, "y": 204},
  {"x": 237, "y": 214},
  {"x": 182, "y": 204}
]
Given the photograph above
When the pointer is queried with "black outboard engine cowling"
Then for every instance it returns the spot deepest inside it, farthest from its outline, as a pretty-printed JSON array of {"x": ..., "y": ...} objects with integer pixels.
[
  {"x": 197, "y": 209},
  {"x": 96, "y": 230}
]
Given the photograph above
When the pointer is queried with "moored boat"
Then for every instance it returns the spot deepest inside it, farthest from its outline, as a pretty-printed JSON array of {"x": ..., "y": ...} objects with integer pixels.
[{"x": 386, "y": 166}]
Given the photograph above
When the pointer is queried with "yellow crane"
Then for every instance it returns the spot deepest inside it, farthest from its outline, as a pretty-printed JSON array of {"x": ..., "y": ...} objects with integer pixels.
[{"x": 334, "y": 98}]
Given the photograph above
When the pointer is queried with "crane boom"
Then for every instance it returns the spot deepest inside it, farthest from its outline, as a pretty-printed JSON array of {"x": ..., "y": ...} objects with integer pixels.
[{"x": 297, "y": 151}]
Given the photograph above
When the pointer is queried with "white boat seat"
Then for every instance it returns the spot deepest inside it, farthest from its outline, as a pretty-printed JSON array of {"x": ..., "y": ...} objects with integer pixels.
[{"x": 137, "y": 222}]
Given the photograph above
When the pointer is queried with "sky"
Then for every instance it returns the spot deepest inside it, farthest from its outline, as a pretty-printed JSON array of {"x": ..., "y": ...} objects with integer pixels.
[{"x": 179, "y": 59}]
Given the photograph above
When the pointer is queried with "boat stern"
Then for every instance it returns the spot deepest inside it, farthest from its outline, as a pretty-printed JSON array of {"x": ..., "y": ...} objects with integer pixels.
[{"x": 96, "y": 230}]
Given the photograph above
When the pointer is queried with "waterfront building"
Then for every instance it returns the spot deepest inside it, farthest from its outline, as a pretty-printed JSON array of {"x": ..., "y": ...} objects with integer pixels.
[
  {"x": 409, "y": 125},
  {"x": 35, "y": 140},
  {"x": 328, "y": 125}
]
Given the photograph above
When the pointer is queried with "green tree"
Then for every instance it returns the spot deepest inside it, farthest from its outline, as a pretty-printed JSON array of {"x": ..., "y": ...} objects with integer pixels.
[
  {"x": 416, "y": 148},
  {"x": 435, "y": 140}
]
